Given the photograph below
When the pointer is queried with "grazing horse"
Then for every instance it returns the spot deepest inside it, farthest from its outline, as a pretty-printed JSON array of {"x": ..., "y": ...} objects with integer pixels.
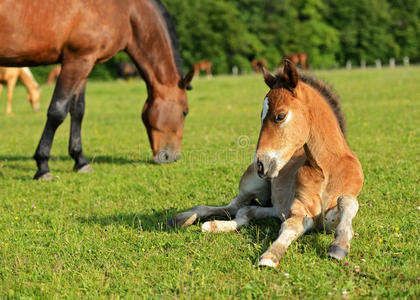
[
  {"x": 10, "y": 77},
  {"x": 304, "y": 172},
  {"x": 79, "y": 34},
  {"x": 257, "y": 64},
  {"x": 298, "y": 58},
  {"x": 203, "y": 65},
  {"x": 126, "y": 70},
  {"x": 53, "y": 75}
]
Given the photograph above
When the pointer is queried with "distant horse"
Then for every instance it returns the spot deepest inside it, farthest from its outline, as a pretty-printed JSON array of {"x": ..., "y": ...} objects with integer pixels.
[
  {"x": 126, "y": 70},
  {"x": 304, "y": 172},
  {"x": 53, "y": 75},
  {"x": 79, "y": 34},
  {"x": 298, "y": 59},
  {"x": 203, "y": 65},
  {"x": 257, "y": 64},
  {"x": 10, "y": 77}
]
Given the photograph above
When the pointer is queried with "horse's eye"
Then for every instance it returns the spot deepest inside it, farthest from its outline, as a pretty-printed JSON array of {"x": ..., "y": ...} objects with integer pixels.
[
  {"x": 280, "y": 117},
  {"x": 184, "y": 113}
]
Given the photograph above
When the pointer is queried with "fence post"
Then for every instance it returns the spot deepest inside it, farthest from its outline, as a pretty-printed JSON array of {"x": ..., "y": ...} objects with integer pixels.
[
  {"x": 392, "y": 63},
  {"x": 378, "y": 64},
  {"x": 406, "y": 61},
  {"x": 348, "y": 65},
  {"x": 363, "y": 64},
  {"x": 235, "y": 71}
]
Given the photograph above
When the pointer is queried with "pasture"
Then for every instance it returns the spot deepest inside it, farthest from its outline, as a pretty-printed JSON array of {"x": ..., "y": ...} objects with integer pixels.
[{"x": 104, "y": 235}]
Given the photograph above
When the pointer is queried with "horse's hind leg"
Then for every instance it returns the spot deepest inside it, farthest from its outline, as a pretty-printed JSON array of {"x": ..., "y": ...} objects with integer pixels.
[
  {"x": 243, "y": 216},
  {"x": 10, "y": 87},
  {"x": 69, "y": 84},
  {"x": 250, "y": 187},
  {"x": 348, "y": 207},
  {"x": 77, "y": 110}
]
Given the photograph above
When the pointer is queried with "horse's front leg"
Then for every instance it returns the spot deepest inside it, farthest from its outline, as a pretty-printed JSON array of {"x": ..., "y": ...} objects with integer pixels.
[
  {"x": 251, "y": 186},
  {"x": 77, "y": 110},
  {"x": 290, "y": 231},
  {"x": 348, "y": 207},
  {"x": 70, "y": 83}
]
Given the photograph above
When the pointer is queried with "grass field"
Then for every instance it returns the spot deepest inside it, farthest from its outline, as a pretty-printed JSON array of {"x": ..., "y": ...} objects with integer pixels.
[{"x": 103, "y": 235}]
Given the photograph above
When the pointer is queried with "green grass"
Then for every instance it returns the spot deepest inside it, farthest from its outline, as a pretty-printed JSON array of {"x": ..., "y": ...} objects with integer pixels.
[{"x": 103, "y": 235}]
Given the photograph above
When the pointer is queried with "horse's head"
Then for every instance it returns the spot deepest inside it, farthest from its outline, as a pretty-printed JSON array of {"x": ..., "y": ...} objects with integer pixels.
[
  {"x": 164, "y": 116},
  {"x": 34, "y": 97},
  {"x": 284, "y": 122}
]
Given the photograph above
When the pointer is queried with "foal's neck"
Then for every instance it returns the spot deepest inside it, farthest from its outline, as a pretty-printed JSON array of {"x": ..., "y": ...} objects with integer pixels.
[
  {"x": 28, "y": 79},
  {"x": 326, "y": 144}
]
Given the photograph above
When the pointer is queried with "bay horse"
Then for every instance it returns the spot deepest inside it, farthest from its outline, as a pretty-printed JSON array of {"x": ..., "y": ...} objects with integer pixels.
[
  {"x": 10, "y": 76},
  {"x": 298, "y": 59},
  {"x": 79, "y": 34},
  {"x": 257, "y": 64},
  {"x": 304, "y": 172},
  {"x": 125, "y": 70},
  {"x": 203, "y": 65},
  {"x": 53, "y": 75}
]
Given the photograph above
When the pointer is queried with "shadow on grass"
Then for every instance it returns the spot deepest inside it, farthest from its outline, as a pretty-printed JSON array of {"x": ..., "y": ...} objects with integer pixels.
[
  {"x": 101, "y": 159},
  {"x": 155, "y": 221}
]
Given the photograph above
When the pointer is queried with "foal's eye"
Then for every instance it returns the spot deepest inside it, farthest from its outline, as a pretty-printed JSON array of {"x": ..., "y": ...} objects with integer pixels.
[
  {"x": 280, "y": 117},
  {"x": 184, "y": 113}
]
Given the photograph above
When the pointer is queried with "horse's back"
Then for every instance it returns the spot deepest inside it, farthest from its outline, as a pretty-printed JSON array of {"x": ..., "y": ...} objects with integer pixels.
[{"x": 41, "y": 32}]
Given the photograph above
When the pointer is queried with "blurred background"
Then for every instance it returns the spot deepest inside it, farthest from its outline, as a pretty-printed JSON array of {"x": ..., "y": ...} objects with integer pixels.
[{"x": 333, "y": 33}]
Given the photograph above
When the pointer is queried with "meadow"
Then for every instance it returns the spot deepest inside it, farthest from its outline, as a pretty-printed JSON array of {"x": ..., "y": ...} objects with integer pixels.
[{"x": 104, "y": 234}]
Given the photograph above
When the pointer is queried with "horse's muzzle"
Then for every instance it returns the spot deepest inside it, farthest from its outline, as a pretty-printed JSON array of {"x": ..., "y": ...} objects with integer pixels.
[{"x": 165, "y": 156}]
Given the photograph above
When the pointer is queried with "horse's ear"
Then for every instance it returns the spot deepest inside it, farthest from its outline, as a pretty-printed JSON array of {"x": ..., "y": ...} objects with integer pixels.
[
  {"x": 184, "y": 83},
  {"x": 290, "y": 73},
  {"x": 269, "y": 79}
]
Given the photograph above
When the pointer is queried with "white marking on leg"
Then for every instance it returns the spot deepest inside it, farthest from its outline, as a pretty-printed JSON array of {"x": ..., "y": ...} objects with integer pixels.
[{"x": 219, "y": 226}]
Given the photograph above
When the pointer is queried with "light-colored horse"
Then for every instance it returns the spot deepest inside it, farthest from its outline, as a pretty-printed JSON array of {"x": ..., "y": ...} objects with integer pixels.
[
  {"x": 304, "y": 172},
  {"x": 10, "y": 77}
]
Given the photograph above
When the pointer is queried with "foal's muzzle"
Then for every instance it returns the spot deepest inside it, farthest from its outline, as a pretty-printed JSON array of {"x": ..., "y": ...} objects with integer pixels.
[{"x": 165, "y": 156}]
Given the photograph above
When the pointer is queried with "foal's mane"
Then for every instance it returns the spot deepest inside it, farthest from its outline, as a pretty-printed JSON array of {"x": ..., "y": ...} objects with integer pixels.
[
  {"x": 329, "y": 94},
  {"x": 174, "y": 40}
]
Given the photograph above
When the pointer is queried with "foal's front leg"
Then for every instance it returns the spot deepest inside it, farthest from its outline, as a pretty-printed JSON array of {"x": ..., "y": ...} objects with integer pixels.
[
  {"x": 251, "y": 186},
  {"x": 290, "y": 231},
  {"x": 348, "y": 207}
]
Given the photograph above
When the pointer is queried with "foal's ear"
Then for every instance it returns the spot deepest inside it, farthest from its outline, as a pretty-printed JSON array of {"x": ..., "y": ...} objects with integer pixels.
[
  {"x": 290, "y": 73},
  {"x": 184, "y": 83},
  {"x": 269, "y": 79}
]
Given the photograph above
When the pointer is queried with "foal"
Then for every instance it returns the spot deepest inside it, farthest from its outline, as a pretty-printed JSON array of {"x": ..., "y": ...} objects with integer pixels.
[
  {"x": 10, "y": 77},
  {"x": 304, "y": 172}
]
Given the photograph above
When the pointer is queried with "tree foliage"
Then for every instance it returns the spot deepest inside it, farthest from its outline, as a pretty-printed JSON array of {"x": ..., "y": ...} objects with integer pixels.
[{"x": 233, "y": 32}]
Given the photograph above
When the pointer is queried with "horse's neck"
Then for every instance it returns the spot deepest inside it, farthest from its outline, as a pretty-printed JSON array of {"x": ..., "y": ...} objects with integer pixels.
[
  {"x": 151, "y": 47},
  {"x": 326, "y": 144},
  {"x": 28, "y": 79}
]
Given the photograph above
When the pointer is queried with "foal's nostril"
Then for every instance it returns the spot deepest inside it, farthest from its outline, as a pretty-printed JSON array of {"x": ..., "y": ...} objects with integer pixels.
[{"x": 260, "y": 168}]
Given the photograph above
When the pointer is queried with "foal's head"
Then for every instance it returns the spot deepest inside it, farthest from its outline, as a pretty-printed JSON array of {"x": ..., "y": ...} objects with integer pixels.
[
  {"x": 284, "y": 122},
  {"x": 164, "y": 116}
]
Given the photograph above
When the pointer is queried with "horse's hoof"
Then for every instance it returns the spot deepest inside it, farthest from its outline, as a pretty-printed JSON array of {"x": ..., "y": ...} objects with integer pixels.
[
  {"x": 85, "y": 169},
  {"x": 337, "y": 252},
  {"x": 183, "y": 219},
  {"x": 45, "y": 177},
  {"x": 268, "y": 260}
]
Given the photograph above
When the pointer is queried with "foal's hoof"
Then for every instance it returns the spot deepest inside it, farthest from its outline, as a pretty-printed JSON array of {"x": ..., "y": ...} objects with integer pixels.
[
  {"x": 268, "y": 260},
  {"x": 337, "y": 252},
  {"x": 85, "y": 169},
  {"x": 183, "y": 219},
  {"x": 44, "y": 177}
]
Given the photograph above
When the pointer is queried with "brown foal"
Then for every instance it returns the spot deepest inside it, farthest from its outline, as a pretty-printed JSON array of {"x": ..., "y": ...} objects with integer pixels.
[{"x": 304, "y": 172}]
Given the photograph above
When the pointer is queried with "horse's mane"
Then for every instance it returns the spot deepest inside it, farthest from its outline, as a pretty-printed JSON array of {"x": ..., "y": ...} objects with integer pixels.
[
  {"x": 329, "y": 94},
  {"x": 174, "y": 40}
]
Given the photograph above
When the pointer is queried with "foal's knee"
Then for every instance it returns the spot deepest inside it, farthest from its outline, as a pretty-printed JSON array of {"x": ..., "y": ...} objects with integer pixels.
[{"x": 349, "y": 204}]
